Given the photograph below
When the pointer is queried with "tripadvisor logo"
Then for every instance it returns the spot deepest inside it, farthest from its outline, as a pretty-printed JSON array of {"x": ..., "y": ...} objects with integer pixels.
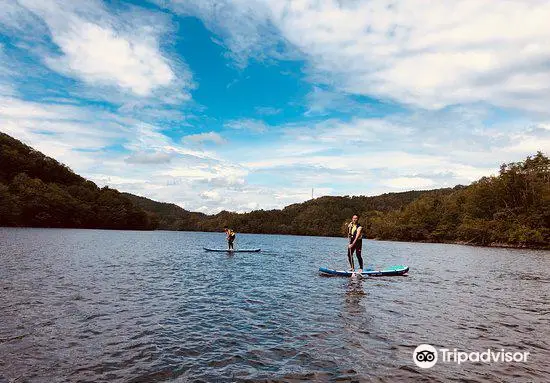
[{"x": 426, "y": 356}]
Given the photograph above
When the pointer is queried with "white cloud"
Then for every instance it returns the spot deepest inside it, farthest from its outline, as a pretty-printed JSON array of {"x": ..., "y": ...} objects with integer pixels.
[
  {"x": 250, "y": 198},
  {"x": 108, "y": 49},
  {"x": 367, "y": 156},
  {"x": 11, "y": 107},
  {"x": 147, "y": 137},
  {"x": 99, "y": 55},
  {"x": 6, "y": 89},
  {"x": 428, "y": 54},
  {"x": 6, "y": 73},
  {"x": 354, "y": 162},
  {"x": 348, "y": 133},
  {"x": 191, "y": 172},
  {"x": 15, "y": 17},
  {"x": 205, "y": 137},
  {"x": 211, "y": 195},
  {"x": 152, "y": 158},
  {"x": 250, "y": 125},
  {"x": 322, "y": 101},
  {"x": 526, "y": 142},
  {"x": 409, "y": 183},
  {"x": 69, "y": 134}
]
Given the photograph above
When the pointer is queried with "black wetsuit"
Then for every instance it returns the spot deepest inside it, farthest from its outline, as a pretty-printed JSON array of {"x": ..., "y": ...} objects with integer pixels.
[{"x": 352, "y": 234}]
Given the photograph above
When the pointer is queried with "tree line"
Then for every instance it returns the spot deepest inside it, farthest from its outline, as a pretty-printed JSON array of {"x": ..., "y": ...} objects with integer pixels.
[
  {"x": 38, "y": 191},
  {"x": 512, "y": 208}
]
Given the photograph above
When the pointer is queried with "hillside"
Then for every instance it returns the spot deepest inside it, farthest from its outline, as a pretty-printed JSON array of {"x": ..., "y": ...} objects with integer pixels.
[
  {"x": 511, "y": 209},
  {"x": 169, "y": 216},
  {"x": 38, "y": 191},
  {"x": 321, "y": 216}
]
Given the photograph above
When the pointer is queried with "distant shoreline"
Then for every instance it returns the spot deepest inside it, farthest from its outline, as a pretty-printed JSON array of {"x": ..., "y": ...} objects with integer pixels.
[{"x": 462, "y": 243}]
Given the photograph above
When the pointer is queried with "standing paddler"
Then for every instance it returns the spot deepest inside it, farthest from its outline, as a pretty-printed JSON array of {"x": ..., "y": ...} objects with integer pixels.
[{"x": 355, "y": 235}]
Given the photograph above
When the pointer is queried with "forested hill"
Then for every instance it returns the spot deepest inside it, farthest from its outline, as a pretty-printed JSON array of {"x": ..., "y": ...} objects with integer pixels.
[
  {"x": 324, "y": 216},
  {"x": 169, "y": 216},
  {"x": 511, "y": 209},
  {"x": 38, "y": 191}
]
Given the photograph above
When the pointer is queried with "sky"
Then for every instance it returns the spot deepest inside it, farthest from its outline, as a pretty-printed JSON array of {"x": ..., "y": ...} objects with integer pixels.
[{"x": 250, "y": 104}]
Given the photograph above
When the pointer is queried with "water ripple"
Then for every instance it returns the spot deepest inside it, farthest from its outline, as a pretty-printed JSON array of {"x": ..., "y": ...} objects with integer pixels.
[{"x": 106, "y": 306}]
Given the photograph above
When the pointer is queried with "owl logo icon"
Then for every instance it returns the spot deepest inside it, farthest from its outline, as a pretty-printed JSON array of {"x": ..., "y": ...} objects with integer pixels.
[{"x": 425, "y": 356}]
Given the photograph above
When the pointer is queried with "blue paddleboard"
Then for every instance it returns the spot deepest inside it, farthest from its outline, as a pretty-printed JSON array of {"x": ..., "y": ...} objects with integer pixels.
[
  {"x": 233, "y": 251},
  {"x": 388, "y": 271}
]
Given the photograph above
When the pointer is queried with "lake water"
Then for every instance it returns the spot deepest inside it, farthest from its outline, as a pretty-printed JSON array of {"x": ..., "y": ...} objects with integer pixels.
[{"x": 126, "y": 306}]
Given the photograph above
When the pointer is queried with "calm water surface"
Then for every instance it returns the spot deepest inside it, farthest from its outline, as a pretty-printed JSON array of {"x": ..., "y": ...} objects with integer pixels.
[{"x": 124, "y": 306}]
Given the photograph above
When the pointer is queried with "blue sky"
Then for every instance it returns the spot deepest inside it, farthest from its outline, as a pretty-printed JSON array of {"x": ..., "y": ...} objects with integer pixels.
[{"x": 241, "y": 105}]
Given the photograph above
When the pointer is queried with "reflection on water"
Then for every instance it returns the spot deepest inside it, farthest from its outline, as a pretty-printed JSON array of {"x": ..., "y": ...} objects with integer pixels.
[
  {"x": 117, "y": 306},
  {"x": 354, "y": 290}
]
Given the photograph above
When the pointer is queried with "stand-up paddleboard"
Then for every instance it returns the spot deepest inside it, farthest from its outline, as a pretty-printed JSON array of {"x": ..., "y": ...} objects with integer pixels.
[
  {"x": 387, "y": 272},
  {"x": 233, "y": 251}
]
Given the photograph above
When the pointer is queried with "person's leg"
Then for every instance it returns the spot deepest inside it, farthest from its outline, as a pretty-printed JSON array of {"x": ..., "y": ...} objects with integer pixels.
[
  {"x": 350, "y": 259},
  {"x": 359, "y": 257},
  {"x": 231, "y": 243}
]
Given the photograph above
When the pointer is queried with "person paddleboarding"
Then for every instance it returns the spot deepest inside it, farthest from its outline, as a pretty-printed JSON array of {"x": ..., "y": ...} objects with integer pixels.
[
  {"x": 355, "y": 235},
  {"x": 230, "y": 236}
]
